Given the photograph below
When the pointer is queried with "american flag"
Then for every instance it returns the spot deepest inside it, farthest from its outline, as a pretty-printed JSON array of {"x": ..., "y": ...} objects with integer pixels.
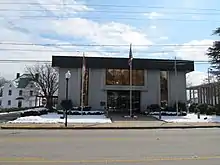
[
  {"x": 84, "y": 65},
  {"x": 130, "y": 57}
]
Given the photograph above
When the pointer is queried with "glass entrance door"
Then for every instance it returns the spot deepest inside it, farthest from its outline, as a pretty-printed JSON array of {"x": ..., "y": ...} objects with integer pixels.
[{"x": 120, "y": 100}]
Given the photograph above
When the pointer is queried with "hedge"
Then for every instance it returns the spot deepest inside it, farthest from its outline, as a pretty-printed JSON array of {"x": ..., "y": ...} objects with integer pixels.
[
  {"x": 71, "y": 112},
  {"x": 155, "y": 109},
  {"x": 205, "y": 109},
  {"x": 34, "y": 112},
  {"x": 3, "y": 110}
]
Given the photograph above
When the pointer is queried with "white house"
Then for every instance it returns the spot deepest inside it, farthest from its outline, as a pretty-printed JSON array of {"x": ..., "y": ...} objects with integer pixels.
[{"x": 21, "y": 92}]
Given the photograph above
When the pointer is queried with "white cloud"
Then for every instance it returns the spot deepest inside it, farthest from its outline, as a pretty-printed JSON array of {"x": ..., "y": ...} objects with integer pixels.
[
  {"x": 194, "y": 50},
  {"x": 61, "y": 30},
  {"x": 163, "y": 38},
  {"x": 196, "y": 78},
  {"x": 153, "y": 27},
  {"x": 153, "y": 15},
  {"x": 109, "y": 33}
]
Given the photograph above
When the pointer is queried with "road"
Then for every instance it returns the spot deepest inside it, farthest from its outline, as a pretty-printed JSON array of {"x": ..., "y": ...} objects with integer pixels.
[{"x": 114, "y": 147}]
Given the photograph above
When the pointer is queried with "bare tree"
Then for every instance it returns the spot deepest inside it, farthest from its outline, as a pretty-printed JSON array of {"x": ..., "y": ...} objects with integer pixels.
[
  {"x": 2, "y": 81},
  {"x": 46, "y": 77}
]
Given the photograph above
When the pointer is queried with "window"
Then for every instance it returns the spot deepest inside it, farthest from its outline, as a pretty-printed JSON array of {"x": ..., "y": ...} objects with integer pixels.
[
  {"x": 31, "y": 103},
  {"x": 19, "y": 104},
  {"x": 122, "y": 77},
  {"x": 0, "y": 102},
  {"x": 164, "y": 87},
  {"x": 31, "y": 93},
  {"x": 20, "y": 92},
  {"x": 1, "y": 92},
  {"x": 120, "y": 100},
  {"x": 9, "y": 92},
  {"x": 9, "y": 102},
  {"x": 138, "y": 77},
  {"x": 31, "y": 85},
  {"x": 10, "y": 85}
]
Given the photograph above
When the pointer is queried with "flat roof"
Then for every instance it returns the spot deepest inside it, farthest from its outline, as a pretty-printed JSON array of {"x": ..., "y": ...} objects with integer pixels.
[
  {"x": 203, "y": 85},
  {"x": 121, "y": 63}
]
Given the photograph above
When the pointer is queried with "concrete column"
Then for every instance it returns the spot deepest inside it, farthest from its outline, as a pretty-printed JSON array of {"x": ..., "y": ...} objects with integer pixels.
[
  {"x": 218, "y": 93},
  {"x": 208, "y": 94},
  {"x": 203, "y": 95},
  {"x": 215, "y": 94},
  {"x": 190, "y": 95},
  {"x": 193, "y": 95},
  {"x": 199, "y": 95},
  {"x": 212, "y": 95}
]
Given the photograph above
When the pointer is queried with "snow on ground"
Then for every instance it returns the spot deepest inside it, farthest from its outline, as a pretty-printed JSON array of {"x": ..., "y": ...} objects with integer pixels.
[
  {"x": 55, "y": 118},
  {"x": 190, "y": 118}
]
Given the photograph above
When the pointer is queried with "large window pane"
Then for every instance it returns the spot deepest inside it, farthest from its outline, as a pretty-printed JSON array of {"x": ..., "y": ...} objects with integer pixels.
[
  {"x": 164, "y": 87},
  {"x": 138, "y": 77},
  {"x": 122, "y": 77},
  {"x": 120, "y": 100}
]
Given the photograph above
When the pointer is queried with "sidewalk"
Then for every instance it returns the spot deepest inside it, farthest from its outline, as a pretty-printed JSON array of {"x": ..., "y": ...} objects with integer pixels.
[{"x": 115, "y": 125}]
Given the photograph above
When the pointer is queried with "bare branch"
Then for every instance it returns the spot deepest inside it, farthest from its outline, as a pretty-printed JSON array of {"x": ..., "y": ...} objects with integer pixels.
[
  {"x": 2, "y": 81},
  {"x": 47, "y": 78}
]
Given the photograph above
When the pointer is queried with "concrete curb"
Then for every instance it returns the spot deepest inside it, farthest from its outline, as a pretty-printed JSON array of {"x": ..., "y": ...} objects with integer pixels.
[{"x": 101, "y": 128}]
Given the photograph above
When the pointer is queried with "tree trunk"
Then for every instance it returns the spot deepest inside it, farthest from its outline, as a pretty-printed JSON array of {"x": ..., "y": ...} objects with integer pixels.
[{"x": 49, "y": 104}]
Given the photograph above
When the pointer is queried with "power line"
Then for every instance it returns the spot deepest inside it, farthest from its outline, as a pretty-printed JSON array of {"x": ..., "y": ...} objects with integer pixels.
[
  {"x": 48, "y": 61},
  {"x": 28, "y": 61},
  {"x": 104, "y": 51},
  {"x": 106, "y": 45},
  {"x": 101, "y": 18},
  {"x": 116, "y": 11},
  {"x": 109, "y": 5}
]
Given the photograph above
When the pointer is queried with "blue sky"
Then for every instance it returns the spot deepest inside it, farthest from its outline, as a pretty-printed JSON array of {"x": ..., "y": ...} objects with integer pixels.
[{"x": 116, "y": 22}]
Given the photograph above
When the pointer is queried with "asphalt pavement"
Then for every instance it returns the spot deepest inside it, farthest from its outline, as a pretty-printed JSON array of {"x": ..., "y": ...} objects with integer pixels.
[{"x": 114, "y": 147}]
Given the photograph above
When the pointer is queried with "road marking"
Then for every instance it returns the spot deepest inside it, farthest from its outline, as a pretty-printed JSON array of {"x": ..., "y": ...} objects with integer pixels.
[{"x": 41, "y": 160}]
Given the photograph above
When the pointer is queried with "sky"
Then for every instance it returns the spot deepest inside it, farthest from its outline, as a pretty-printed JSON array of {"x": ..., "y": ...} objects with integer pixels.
[{"x": 165, "y": 29}]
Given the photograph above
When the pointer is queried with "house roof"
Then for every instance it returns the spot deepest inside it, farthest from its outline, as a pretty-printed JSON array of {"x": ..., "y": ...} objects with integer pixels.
[
  {"x": 22, "y": 81},
  {"x": 121, "y": 63}
]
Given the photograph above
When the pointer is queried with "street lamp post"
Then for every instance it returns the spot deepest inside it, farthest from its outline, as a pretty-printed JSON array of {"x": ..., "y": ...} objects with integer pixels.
[{"x": 67, "y": 76}]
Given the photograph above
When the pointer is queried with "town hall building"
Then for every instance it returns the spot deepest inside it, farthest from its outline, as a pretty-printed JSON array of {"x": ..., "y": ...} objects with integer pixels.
[{"x": 107, "y": 81}]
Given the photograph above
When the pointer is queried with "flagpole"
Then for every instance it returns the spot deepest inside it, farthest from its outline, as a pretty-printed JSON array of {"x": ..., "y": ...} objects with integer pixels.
[
  {"x": 82, "y": 85},
  {"x": 131, "y": 89},
  {"x": 175, "y": 73},
  {"x": 130, "y": 64}
]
